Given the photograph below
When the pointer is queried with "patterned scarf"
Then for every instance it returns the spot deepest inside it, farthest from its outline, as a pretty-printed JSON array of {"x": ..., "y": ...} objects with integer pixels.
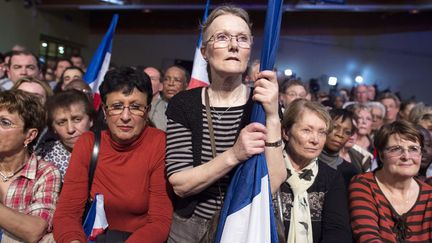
[{"x": 300, "y": 230}]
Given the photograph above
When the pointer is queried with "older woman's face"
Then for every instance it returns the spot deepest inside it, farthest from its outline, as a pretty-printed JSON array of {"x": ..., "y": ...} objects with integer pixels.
[
  {"x": 406, "y": 164},
  {"x": 69, "y": 123},
  {"x": 12, "y": 134},
  {"x": 307, "y": 136},
  {"x": 230, "y": 60},
  {"x": 364, "y": 122},
  {"x": 126, "y": 126}
]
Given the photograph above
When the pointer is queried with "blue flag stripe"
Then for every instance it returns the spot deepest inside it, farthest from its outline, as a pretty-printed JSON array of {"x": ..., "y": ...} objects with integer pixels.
[{"x": 104, "y": 47}]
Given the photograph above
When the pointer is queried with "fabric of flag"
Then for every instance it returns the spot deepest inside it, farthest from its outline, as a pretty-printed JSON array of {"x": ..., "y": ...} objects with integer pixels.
[
  {"x": 247, "y": 213},
  {"x": 199, "y": 77},
  {"x": 95, "y": 222},
  {"x": 100, "y": 62}
]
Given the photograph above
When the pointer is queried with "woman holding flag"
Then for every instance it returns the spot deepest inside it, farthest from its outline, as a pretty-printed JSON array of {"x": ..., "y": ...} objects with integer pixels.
[{"x": 208, "y": 135}]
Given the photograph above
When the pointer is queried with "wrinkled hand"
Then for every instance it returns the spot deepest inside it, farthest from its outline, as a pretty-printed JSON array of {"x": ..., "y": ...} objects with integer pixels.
[
  {"x": 267, "y": 91},
  {"x": 250, "y": 141},
  {"x": 48, "y": 238}
]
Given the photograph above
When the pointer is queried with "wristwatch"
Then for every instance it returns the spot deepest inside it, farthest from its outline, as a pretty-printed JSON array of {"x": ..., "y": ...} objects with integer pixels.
[{"x": 274, "y": 144}]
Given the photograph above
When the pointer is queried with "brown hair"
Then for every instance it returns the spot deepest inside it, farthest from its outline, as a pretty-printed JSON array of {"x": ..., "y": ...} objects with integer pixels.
[
  {"x": 296, "y": 109},
  {"x": 389, "y": 95},
  {"x": 405, "y": 129},
  {"x": 28, "y": 107},
  {"x": 224, "y": 10},
  {"x": 64, "y": 100}
]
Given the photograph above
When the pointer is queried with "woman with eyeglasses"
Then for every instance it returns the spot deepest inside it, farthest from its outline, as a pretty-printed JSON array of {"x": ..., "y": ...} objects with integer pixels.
[
  {"x": 342, "y": 129},
  {"x": 198, "y": 167},
  {"x": 29, "y": 186},
  {"x": 390, "y": 204},
  {"x": 130, "y": 171}
]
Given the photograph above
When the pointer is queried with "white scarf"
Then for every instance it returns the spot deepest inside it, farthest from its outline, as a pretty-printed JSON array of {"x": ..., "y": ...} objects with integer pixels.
[{"x": 300, "y": 230}]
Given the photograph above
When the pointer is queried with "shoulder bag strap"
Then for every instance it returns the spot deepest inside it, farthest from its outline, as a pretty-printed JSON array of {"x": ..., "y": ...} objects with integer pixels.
[
  {"x": 93, "y": 160},
  {"x": 210, "y": 123}
]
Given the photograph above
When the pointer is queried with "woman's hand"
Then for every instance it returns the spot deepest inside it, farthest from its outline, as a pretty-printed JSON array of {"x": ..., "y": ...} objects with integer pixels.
[
  {"x": 266, "y": 91},
  {"x": 250, "y": 141}
]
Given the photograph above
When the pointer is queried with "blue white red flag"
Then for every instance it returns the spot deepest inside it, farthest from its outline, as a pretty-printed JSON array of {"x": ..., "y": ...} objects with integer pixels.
[
  {"x": 99, "y": 64},
  {"x": 199, "y": 77},
  {"x": 247, "y": 214},
  {"x": 95, "y": 222}
]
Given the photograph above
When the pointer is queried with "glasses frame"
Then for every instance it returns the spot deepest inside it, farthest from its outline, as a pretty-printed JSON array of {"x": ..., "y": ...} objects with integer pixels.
[
  {"x": 402, "y": 151},
  {"x": 109, "y": 110},
  {"x": 212, "y": 38}
]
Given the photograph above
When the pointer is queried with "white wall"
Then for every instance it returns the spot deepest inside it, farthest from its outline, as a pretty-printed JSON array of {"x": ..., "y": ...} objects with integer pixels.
[{"x": 397, "y": 61}]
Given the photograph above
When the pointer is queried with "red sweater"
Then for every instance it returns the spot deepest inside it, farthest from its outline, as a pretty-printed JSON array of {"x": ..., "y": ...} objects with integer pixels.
[
  {"x": 374, "y": 220},
  {"x": 132, "y": 180}
]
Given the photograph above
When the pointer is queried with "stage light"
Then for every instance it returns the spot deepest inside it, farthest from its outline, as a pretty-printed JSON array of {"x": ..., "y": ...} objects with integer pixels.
[
  {"x": 332, "y": 81},
  {"x": 359, "y": 79},
  {"x": 288, "y": 72}
]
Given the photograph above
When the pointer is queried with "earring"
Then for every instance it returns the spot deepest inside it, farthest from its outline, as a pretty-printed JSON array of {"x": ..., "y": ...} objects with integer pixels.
[{"x": 25, "y": 145}]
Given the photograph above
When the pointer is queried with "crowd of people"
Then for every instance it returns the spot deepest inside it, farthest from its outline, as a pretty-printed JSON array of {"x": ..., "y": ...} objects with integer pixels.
[{"x": 343, "y": 167}]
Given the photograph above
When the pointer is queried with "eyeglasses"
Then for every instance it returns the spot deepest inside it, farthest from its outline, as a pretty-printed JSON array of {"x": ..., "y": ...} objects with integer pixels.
[
  {"x": 399, "y": 150},
  {"x": 221, "y": 40},
  {"x": 134, "y": 109},
  {"x": 345, "y": 132},
  {"x": 7, "y": 124}
]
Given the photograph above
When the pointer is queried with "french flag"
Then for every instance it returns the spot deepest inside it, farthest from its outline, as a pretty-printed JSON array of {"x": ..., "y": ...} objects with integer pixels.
[
  {"x": 95, "y": 222},
  {"x": 199, "y": 77},
  {"x": 247, "y": 214},
  {"x": 99, "y": 64}
]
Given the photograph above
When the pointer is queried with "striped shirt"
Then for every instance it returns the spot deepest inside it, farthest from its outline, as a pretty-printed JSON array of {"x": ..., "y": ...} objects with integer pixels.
[
  {"x": 373, "y": 219},
  {"x": 179, "y": 154}
]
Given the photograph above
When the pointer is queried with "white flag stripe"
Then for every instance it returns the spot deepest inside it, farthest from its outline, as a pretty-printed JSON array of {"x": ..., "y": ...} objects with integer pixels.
[
  {"x": 100, "y": 219},
  {"x": 255, "y": 215},
  {"x": 104, "y": 68}
]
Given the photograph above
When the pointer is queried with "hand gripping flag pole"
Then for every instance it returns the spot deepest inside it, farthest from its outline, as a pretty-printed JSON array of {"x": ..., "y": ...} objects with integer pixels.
[{"x": 247, "y": 213}]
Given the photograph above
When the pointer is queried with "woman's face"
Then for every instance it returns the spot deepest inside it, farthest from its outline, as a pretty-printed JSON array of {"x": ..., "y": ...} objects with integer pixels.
[
  {"x": 340, "y": 134},
  {"x": 70, "y": 75},
  {"x": 126, "y": 126},
  {"x": 12, "y": 134},
  {"x": 306, "y": 138},
  {"x": 406, "y": 164},
  {"x": 230, "y": 60},
  {"x": 69, "y": 123},
  {"x": 364, "y": 122}
]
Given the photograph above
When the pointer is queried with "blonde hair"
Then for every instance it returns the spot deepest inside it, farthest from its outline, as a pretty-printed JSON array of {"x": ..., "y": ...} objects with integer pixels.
[
  {"x": 224, "y": 10},
  {"x": 296, "y": 109},
  {"x": 43, "y": 84}
]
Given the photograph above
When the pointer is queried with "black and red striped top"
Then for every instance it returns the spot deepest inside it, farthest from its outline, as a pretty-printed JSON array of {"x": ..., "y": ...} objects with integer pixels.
[{"x": 373, "y": 219}]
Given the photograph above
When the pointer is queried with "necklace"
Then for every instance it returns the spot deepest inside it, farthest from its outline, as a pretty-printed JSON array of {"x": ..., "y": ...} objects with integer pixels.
[
  {"x": 220, "y": 114},
  {"x": 6, "y": 178}
]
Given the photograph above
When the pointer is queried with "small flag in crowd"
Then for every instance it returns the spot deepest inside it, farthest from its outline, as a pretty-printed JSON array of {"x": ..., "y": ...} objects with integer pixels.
[
  {"x": 100, "y": 62},
  {"x": 199, "y": 77},
  {"x": 95, "y": 222},
  {"x": 247, "y": 213}
]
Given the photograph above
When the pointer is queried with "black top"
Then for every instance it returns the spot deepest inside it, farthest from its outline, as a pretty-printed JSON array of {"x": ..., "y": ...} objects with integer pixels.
[{"x": 328, "y": 206}]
